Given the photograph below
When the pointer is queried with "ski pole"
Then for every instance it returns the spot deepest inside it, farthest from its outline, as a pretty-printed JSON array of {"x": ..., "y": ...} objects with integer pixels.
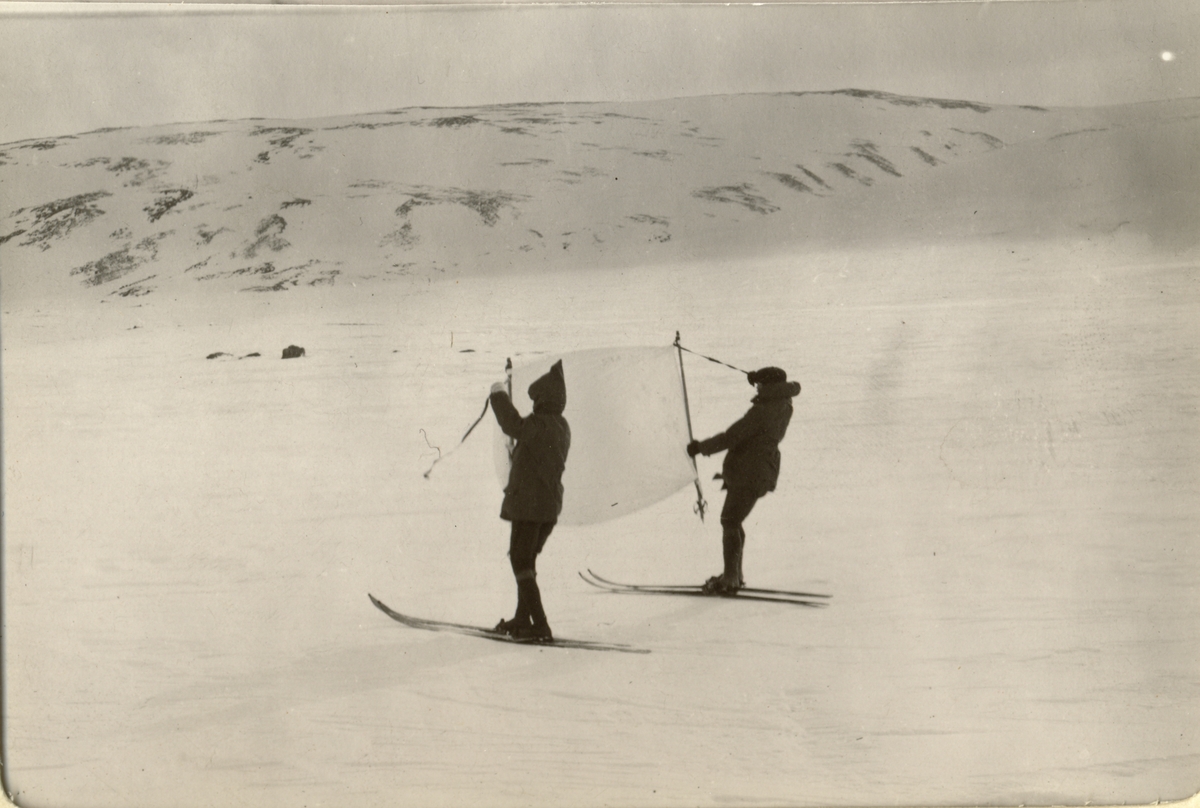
[{"x": 701, "y": 505}]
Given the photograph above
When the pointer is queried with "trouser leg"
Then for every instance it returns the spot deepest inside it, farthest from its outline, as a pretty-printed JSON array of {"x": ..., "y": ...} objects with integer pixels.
[{"x": 531, "y": 596}]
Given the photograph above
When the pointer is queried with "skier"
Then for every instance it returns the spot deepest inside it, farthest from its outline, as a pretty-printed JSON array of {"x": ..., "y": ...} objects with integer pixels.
[
  {"x": 751, "y": 466},
  {"x": 534, "y": 494}
]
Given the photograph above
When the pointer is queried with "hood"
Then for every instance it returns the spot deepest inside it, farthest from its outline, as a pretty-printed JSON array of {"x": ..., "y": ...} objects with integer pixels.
[
  {"x": 549, "y": 391},
  {"x": 778, "y": 390}
]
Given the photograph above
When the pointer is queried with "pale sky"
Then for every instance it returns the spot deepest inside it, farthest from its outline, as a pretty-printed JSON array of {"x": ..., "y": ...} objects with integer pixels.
[{"x": 68, "y": 69}]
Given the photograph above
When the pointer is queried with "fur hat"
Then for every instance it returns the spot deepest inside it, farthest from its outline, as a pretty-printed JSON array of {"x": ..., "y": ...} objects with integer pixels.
[{"x": 767, "y": 375}]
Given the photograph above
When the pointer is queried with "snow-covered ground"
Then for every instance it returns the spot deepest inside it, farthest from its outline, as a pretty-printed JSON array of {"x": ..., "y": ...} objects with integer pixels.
[{"x": 992, "y": 469}]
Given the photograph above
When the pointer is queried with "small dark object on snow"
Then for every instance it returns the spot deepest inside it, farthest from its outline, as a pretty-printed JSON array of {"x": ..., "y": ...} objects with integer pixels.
[
  {"x": 216, "y": 355},
  {"x": 247, "y": 356},
  {"x": 292, "y": 351}
]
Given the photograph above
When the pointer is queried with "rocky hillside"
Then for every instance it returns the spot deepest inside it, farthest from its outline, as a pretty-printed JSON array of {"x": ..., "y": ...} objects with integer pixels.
[{"x": 268, "y": 205}]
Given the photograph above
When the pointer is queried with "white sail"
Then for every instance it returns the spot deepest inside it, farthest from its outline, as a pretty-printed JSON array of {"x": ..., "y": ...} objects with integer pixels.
[{"x": 628, "y": 430}]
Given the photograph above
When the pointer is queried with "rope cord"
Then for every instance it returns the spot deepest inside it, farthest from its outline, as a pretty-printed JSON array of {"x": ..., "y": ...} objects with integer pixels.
[
  {"x": 710, "y": 359},
  {"x": 470, "y": 429}
]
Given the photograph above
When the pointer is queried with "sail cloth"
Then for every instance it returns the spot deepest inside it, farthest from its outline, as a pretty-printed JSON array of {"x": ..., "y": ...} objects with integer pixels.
[{"x": 629, "y": 430}]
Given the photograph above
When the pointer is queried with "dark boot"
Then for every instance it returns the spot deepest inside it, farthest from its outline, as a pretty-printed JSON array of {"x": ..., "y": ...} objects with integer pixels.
[
  {"x": 731, "y": 545},
  {"x": 534, "y": 634},
  {"x": 531, "y": 596},
  {"x": 511, "y": 627},
  {"x": 741, "y": 579},
  {"x": 521, "y": 616},
  {"x": 729, "y": 581},
  {"x": 521, "y": 619}
]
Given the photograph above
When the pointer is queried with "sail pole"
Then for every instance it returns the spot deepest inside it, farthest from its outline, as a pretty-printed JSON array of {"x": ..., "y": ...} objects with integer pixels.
[
  {"x": 701, "y": 505},
  {"x": 509, "y": 442}
]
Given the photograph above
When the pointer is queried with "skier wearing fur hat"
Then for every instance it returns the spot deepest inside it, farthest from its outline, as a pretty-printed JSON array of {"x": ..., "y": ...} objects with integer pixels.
[
  {"x": 751, "y": 466},
  {"x": 534, "y": 494}
]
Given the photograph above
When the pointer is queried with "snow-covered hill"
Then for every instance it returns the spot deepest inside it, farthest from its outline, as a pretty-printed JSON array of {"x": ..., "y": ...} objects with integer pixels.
[{"x": 269, "y": 205}]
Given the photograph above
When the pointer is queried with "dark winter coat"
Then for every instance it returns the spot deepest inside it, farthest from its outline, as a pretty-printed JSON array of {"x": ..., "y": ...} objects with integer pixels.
[
  {"x": 752, "y": 442},
  {"x": 534, "y": 492}
]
